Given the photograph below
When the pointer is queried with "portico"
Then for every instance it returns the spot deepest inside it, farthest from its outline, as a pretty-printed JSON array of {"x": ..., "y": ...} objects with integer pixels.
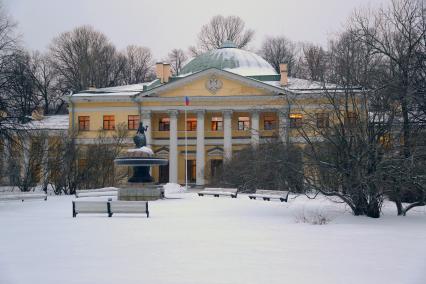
[{"x": 222, "y": 129}]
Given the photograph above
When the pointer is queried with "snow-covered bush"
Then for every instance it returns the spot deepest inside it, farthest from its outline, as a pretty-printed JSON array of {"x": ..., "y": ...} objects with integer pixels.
[
  {"x": 271, "y": 166},
  {"x": 315, "y": 217}
]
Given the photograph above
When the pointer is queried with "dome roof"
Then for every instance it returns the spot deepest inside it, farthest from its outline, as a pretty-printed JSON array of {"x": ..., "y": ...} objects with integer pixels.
[{"x": 230, "y": 58}]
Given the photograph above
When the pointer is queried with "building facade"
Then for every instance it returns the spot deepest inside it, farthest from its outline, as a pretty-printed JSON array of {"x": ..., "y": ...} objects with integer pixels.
[{"x": 232, "y": 99}]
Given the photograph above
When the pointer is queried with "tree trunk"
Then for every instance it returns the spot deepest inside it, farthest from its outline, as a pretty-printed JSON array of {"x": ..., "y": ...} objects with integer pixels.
[
  {"x": 406, "y": 128},
  {"x": 398, "y": 204},
  {"x": 373, "y": 209}
]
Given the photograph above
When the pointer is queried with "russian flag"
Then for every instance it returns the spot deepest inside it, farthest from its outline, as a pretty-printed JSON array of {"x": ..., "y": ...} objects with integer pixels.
[{"x": 186, "y": 100}]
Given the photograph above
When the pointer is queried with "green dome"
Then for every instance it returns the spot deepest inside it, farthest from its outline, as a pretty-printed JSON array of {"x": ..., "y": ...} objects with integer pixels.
[{"x": 230, "y": 58}]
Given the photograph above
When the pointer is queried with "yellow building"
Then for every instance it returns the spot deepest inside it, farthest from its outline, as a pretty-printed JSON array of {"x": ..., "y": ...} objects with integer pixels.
[{"x": 236, "y": 99}]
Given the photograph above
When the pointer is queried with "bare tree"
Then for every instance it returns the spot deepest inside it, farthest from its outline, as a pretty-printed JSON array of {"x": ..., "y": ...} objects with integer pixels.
[
  {"x": 138, "y": 65},
  {"x": 9, "y": 120},
  {"x": 84, "y": 58},
  {"x": 176, "y": 58},
  {"x": 221, "y": 29},
  {"x": 398, "y": 34},
  {"x": 70, "y": 169},
  {"x": 278, "y": 50},
  {"x": 21, "y": 90},
  {"x": 345, "y": 152},
  {"x": 315, "y": 59},
  {"x": 44, "y": 78}
]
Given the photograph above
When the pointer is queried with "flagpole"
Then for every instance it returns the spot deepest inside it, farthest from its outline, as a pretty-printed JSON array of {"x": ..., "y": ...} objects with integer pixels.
[{"x": 186, "y": 149}]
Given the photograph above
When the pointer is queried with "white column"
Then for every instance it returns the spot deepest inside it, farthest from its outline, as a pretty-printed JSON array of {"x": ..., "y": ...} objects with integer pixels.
[
  {"x": 173, "y": 148},
  {"x": 146, "y": 120},
  {"x": 26, "y": 147},
  {"x": 6, "y": 160},
  {"x": 45, "y": 160},
  {"x": 283, "y": 125},
  {"x": 255, "y": 128},
  {"x": 200, "y": 162},
  {"x": 227, "y": 134}
]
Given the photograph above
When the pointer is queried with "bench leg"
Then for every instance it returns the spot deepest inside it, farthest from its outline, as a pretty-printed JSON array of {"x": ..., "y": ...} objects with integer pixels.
[
  {"x": 216, "y": 195},
  {"x": 282, "y": 199},
  {"x": 233, "y": 196},
  {"x": 200, "y": 194},
  {"x": 109, "y": 209}
]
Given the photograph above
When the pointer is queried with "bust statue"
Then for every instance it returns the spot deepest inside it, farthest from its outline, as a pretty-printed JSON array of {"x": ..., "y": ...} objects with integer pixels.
[{"x": 140, "y": 138}]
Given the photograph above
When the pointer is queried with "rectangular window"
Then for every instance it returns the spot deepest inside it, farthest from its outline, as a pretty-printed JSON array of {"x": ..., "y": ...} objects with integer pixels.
[
  {"x": 217, "y": 123},
  {"x": 109, "y": 122},
  {"x": 269, "y": 123},
  {"x": 243, "y": 123},
  {"x": 133, "y": 122},
  {"x": 191, "y": 124},
  {"x": 296, "y": 120},
  {"x": 164, "y": 124},
  {"x": 386, "y": 141},
  {"x": 81, "y": 166},
  {"x": 84, "y": 123},
  {"x": 323, "y": 120},
  {"x": 351, "y": 118}
]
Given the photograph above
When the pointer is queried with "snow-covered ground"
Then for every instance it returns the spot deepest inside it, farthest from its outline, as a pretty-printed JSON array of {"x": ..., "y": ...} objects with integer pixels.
[{"x": 191, "y": 239}]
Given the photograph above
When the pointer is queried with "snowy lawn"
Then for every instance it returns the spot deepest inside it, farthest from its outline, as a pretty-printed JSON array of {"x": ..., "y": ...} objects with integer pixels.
[{"x": 209, "y": 240}]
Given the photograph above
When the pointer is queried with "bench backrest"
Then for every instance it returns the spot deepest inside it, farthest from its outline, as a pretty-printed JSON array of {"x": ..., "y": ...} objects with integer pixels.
[
  {"x": 90, "y": 206},
  {"x": 220, "y": 189},
  {"x": 272, "y": 192},
  {"x": 22, "y": 195},
  {"x": 106, "y": 189},
  {"x": 129, "y": 206}
]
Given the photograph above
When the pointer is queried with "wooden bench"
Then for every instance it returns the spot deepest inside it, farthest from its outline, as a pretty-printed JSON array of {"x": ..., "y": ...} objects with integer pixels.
[
  {"x": 217, "y": 191},
  {"x": 23, "y": 196},
  {"x": 108, "y": 191},
  {"x": 109, "y": 207},
  {"x": 270, "y": 194}
]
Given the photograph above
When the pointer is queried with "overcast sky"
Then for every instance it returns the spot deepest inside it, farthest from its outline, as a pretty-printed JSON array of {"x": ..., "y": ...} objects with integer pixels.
[{"x": 165, "y": 24}]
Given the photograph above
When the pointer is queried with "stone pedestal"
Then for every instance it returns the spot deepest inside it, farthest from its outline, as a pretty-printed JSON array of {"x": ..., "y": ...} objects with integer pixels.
[{"x": 137, "y": 191}]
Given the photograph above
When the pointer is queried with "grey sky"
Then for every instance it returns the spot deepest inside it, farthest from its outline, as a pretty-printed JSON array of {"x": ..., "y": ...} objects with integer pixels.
[{"x": 163, "y": 25}]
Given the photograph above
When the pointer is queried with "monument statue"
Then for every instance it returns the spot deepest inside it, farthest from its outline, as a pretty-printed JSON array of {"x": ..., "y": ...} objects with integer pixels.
[
  {"x": 140, "y": 137},
  {"x": 140, "y": 185}
]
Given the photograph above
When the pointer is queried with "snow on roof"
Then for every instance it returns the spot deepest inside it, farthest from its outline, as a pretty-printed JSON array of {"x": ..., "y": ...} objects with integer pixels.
[
  {"x": 126, "y": 90},
  {"x": 121, "y": 89},
  {"x": 100, "y": 94},
  {"x": 297, "y": 84},
  {"x": 53, "y": 122},
  {"x": 235, "y": 60}
]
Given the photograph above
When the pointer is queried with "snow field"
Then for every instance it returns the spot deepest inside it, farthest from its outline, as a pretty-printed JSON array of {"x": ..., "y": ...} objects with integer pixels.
[{"x": 191, "y": 239}]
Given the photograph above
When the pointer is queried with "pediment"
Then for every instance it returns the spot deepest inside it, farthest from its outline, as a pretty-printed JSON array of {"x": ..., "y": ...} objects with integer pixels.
[
  {"x": 217, "y": 151},
  {"x": 213, "y": 83}
]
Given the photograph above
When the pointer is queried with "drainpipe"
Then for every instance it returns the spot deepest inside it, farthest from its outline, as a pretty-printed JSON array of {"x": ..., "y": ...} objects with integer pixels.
[{"x": 72, "y": 113}]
